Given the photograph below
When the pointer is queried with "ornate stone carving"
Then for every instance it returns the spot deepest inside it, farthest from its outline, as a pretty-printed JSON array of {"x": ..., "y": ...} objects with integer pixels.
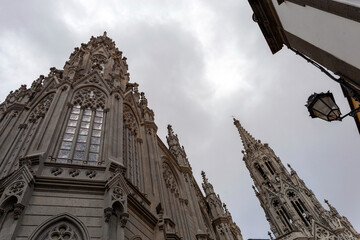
[
  {"x": 170, "y": 180},
  {"x": 118, "y": 195},
  {"x": 222, "y": 228},
  {"x": 41, "y": 108},
  {"x": 74, "y": 172},
  {"x": 56, "y": 171},
  {"x": 18, "y": 95},
  {"x": 37, "y": 85},
  {"x": 323, "y": 234},
  {"x": 143, "y": 100},
  {"x": 62, "y": 231},
  {"x": 90, "y": 173},
  {"x": 90, "y": 97},
  {"x": 124, "y": 217},
  {"x": 15, "y": 189},
  {"x": 108, "y": 213},
  {"x": 175, "y": 148},
  {"x": 129, "y": 119},
  {"x": 18, "y": 209}
]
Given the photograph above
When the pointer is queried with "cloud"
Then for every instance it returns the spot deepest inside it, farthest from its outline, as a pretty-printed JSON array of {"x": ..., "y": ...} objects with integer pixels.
[{"x": 199, "y": 63}]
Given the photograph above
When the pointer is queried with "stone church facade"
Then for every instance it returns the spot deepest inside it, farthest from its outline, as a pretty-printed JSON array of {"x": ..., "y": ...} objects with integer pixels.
[
  {"x": 290, "y": 207},
  {"x": 80, "y": 159}
]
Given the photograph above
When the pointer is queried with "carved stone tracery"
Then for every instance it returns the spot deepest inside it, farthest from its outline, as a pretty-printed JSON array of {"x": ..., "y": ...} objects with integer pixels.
[
  {"x": 118, "y": 195},
  {"x": 170, "y": 180},
  {"x": 90, "y": 97},
  {"x": 61, "y": 232},
  {"x": 129, "y": 120},
  {"x": 41, "y": 108},
  {"x": 15, "y": 189}
]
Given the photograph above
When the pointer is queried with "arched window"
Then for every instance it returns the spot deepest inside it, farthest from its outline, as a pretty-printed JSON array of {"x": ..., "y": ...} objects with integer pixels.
[
  {"x": 7, "y": 217},
  {"x": 64, "y": 226},
  {"x": 82, "y": 139},
  {"x": 131, "y": 147},
  {"x": 26, "y": 134},
  {"x": 282, "y": 214},
  {"x": 299, "y": 207},
  {"x": 260, "y": 170},
  {"x": 270, "y": 167}
]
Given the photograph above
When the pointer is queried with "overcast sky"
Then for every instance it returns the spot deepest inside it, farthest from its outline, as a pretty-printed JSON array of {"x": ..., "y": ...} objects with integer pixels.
[{"x": 199, "y": 62}]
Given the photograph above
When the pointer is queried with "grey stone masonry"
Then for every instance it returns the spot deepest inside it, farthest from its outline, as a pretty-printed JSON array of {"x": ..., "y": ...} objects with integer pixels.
[
  {"x": 80, "y": 159},
  {"x": 290, "y": 207}
]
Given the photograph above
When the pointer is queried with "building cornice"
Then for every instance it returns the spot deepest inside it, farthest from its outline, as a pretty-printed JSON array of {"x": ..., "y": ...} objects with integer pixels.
[
  {"x": 338, "y": 8},
  {"x": 269, "y": 23}
]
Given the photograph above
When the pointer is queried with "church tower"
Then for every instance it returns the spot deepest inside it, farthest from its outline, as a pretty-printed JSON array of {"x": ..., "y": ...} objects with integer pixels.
[
  {"x": 80, "y": 159},
  {"x": 291, "y": 208}
]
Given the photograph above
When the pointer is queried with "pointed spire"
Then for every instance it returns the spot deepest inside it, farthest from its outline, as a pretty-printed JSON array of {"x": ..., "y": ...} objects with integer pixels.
[
  {"x": 247, "y": 139},
  {"x": 175, "y": 148},
  {"x": 173, "y": 141}
]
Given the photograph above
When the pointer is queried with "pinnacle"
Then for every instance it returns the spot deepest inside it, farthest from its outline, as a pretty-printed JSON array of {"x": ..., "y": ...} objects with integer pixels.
[
  {"x": 247, "y": 139},
  {"x": 170, "y": 130},
  {"x": 331, "y": 207},
  {"x": 292, "y": 171},
  {"x": 203, "y": 174}
]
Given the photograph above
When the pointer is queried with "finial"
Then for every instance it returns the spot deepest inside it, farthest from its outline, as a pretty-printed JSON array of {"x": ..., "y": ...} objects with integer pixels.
[
  {"x": 170, "y": 130},
  {"x": 203, "y": 176},
  {"x": 143, "y": 100},
  {"x": 224, "y": 206},
  {"x": 136, "y": 87},
  {"x": 332, "y": 208},
  {"x": 292, "y": 171},
  {"x": 105, "y": 34}
]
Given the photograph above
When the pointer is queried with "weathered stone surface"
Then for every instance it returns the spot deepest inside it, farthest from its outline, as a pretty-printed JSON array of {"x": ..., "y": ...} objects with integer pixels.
[{"x": 80, "y": 159}]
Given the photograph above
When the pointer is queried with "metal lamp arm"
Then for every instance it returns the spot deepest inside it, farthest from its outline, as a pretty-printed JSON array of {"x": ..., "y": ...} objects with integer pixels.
[{"x": 351, "y": 113}]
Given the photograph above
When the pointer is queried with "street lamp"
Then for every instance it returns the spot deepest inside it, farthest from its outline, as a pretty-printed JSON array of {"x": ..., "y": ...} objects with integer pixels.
[{"x": 322, "y": 105}]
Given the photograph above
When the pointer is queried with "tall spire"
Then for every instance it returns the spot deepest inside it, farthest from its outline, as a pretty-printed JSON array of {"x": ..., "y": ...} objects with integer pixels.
[
  {"x": 291, "y": 209},
  {"x": 247, "y": 139}
]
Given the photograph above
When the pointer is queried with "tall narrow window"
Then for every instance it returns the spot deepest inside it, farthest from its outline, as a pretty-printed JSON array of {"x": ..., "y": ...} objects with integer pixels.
[
  {"x": 282, "y": 214},
  {"x": 81, "y": 140},
  {"x": 260, "y": 170},
  {"x": 270, "y": 167},
  {"x": 131, "y": 154},
  {"x": 299, "y": 207}
]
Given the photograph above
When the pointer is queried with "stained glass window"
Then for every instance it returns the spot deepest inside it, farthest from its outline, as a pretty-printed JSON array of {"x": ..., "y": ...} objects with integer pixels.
[{"x": 82, "y": 138}]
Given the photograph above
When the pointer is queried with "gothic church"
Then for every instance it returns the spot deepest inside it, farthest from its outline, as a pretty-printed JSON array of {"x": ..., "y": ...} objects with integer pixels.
[
  {"x": 80, "y": 159},
  {"x": 291, "y": 208}
]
